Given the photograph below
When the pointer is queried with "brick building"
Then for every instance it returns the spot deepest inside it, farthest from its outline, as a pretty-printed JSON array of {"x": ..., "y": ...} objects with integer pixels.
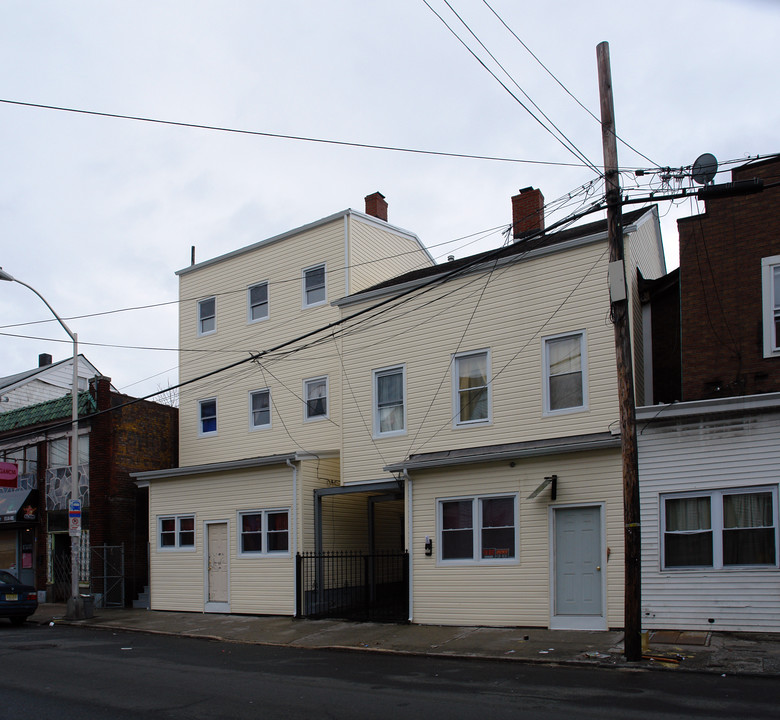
[{"x": 117, "y": 436}]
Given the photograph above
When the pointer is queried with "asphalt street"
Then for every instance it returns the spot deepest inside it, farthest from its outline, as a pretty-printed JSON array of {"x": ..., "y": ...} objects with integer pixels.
[{"x": 62, "y": 672}]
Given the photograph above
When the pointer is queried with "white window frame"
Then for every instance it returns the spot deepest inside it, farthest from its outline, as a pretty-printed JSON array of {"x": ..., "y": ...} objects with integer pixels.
[
  {"x": 456, "y": 419},
  {"x": 311, "y": 381},
  {"x": 177, "y": 546},
  {"x": 251, "y": 320},
  {"x": 83, "y": 445},
  {"x": 547, "y": 410},
  {"x": 476, "y": 526},
  {"x": 201, "y": 319},
  {"x": 382, "y": 372},
  {"x": 717, "y": 528},
  {"x": 264, "y": 533},
  {"x": 304, "y": 272},
  {"x": 201, "y": 431},
  {"x": 770, "y": 302},
  {"x": 252, "y": 425}
]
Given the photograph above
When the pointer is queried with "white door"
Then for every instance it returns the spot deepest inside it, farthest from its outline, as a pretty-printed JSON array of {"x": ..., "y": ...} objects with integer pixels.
[
  {"x": 578, "y": 579},
  {"x": 217, "y": 568}
]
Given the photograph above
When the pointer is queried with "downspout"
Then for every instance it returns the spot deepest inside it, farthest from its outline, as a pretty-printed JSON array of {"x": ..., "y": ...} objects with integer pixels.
[{"x": 295, "y": 532}]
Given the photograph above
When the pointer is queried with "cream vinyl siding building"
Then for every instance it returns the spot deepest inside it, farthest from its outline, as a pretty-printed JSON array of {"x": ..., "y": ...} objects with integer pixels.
[
  {"x": 710, "y": 451},
  {"x": 260, "y": 438},
  {"x": 503, "y": 317}
]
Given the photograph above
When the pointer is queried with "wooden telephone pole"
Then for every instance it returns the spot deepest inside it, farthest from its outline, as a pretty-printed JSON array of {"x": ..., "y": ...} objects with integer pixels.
[{"x": 625, "y": 370}]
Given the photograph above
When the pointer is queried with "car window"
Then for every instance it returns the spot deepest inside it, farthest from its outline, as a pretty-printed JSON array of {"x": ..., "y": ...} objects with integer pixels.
[{"x": 7, "y": 578}]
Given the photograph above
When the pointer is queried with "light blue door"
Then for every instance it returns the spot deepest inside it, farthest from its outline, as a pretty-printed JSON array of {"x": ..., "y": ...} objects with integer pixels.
[{"x": 578, "y": 582}]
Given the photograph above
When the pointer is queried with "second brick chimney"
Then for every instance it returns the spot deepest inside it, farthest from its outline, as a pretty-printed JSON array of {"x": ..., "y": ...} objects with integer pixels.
[
  {"x": 376, "y": 205},
  {"x": 527, "y": 213}
]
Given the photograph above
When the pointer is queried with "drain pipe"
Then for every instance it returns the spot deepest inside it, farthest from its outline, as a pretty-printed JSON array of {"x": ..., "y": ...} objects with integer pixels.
[{"x": 294, "y": 469}]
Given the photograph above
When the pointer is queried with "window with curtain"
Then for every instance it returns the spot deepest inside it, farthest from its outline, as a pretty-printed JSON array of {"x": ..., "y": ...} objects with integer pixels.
[
  {"x": 389, "y": 415},
  {"x": 316, "y": 398},
  {"x": 208, "y": 416},
  {"x": 472, "y": 399},
  {"x": 721, "y": 529},
  {"x": 264, "y": 532},
  {"x": 564, "y": 378}
]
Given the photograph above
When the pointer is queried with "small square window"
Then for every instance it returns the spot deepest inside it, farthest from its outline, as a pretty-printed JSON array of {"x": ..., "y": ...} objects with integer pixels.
[
  {"x": 257, "y": 299},
  {"x": 314, "y": 286},
  {"x": 207, "y": 316},
  {"x": 264, "y": 532},
  {"x": 315, "y": 392},
  {"x": 208, "y": 416},
  {"x": 176, "y": 532}
]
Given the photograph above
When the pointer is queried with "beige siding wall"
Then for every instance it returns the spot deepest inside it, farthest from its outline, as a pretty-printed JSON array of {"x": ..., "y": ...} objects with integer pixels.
[
  {"x": 508, "y": 312},
  {"x": 313, "y": 475},
  {"x": 377, "y": 254},
  {"x": 261, "y": 585},
  {"x": 515, "y": 593}
]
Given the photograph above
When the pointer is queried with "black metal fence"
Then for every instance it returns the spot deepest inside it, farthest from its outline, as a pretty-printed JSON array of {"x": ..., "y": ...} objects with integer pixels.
[{"x": 353, "y": 585}]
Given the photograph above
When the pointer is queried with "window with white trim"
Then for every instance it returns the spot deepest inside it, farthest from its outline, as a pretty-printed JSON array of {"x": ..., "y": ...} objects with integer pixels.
[
  {"x": 264, "y": 532},
  {"x": 207, "y": 316},
  {"x": 260, "y": 409},
  {"x": 314, "y": 286},
  {"x": 770, "y": 293},
  {"x": 389, "y": 401},
  {"x": 315, "y": 395},
  {"x": 720, "y": 529},
  {"x": 477, "y": 529},
  {"x": 59, "y": 451},
  {"x": 207, "y": 416},
  {"x": 176, "y": 532},
  {"x": 565, "y": 377},
  {"x": 471, "y": 387},
  {"x": 257, "y": 302}
]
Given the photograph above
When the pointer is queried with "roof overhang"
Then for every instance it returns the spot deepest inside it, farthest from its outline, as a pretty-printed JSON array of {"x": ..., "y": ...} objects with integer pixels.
[
  {"x": 506, "y": 452},
  {"x": 742, "y": 404}
]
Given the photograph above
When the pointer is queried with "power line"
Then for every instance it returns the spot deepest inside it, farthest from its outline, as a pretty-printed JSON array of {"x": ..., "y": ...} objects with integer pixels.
[{"x": 282, "y": 136}]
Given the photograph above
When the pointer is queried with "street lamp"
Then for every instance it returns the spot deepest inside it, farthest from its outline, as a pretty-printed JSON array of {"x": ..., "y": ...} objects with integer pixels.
[{"x": 75, "y": 606}]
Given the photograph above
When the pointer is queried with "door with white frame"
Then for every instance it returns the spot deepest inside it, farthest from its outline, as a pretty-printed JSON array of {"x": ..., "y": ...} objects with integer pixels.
[
  {"x": 577, "y": 581},
  {"x": 217, "y": 567}
]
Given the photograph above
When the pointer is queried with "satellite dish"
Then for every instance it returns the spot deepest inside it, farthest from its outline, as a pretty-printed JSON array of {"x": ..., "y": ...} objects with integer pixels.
[{"x": 704, "y": 169}]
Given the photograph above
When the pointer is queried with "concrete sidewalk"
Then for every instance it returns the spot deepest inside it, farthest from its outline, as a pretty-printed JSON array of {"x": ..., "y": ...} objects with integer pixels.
[{"x": 722, "y": 653}]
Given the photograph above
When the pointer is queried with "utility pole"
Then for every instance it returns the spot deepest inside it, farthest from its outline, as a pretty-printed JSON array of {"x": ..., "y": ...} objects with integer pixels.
[{"x": 625, "y": 371}]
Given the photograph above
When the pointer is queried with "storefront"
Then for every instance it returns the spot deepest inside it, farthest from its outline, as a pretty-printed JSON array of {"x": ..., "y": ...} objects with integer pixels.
[{"x": 18, "y": 521}]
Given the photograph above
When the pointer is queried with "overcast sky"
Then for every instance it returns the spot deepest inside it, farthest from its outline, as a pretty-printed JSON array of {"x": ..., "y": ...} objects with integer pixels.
[{"x": 98, "y": 213}]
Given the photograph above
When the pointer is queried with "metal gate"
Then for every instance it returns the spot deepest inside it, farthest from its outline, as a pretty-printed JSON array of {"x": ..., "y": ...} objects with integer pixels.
[
  {"x": 353, "y": 585},
  {"x": 108, "y": 575}
]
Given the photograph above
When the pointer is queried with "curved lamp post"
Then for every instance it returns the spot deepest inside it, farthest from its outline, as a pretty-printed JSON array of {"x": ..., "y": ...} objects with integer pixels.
[{"x": 75, "y": 606}]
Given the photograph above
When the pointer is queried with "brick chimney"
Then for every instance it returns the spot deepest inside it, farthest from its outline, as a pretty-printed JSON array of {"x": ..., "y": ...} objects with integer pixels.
[
  {"x": 527, "y": 213},
  {"x": 100, "y": 387},
  {"x": 44, "y": 359},
  {"x": 376, "y": 205}
]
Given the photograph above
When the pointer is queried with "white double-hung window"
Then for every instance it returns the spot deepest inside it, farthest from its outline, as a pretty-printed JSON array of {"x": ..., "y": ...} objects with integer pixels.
[
  {"x": 207, "y": 316},
  {"x": 471, "y": 387},
  {"x": 176, "y": 532},
  {"x": 770, "y": 294},
  {"x": 314, "y": 286},
  {"x": 260, "y": 409},
  {"x": 389, "y": 404},
  {"x": 207, "y": 416},
  {"x": 565, "y": 386},
  {"x": 257, "y": 302}
]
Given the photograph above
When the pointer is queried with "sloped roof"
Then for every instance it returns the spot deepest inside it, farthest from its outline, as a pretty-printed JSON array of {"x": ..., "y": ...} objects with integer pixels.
[
  {"x": 18, "y": 378},
  {"x": 49, "y": 411},
  {"x": 519, "y": 247}
]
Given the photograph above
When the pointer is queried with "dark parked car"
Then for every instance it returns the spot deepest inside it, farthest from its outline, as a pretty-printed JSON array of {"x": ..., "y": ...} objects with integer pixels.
[{"x": 17, "y": 601}]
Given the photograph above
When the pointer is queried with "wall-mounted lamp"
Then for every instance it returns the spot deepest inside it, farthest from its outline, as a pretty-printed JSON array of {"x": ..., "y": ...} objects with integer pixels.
[
  {"x": 552, "y": 481},
  {"x": 428, "y": 546}
]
